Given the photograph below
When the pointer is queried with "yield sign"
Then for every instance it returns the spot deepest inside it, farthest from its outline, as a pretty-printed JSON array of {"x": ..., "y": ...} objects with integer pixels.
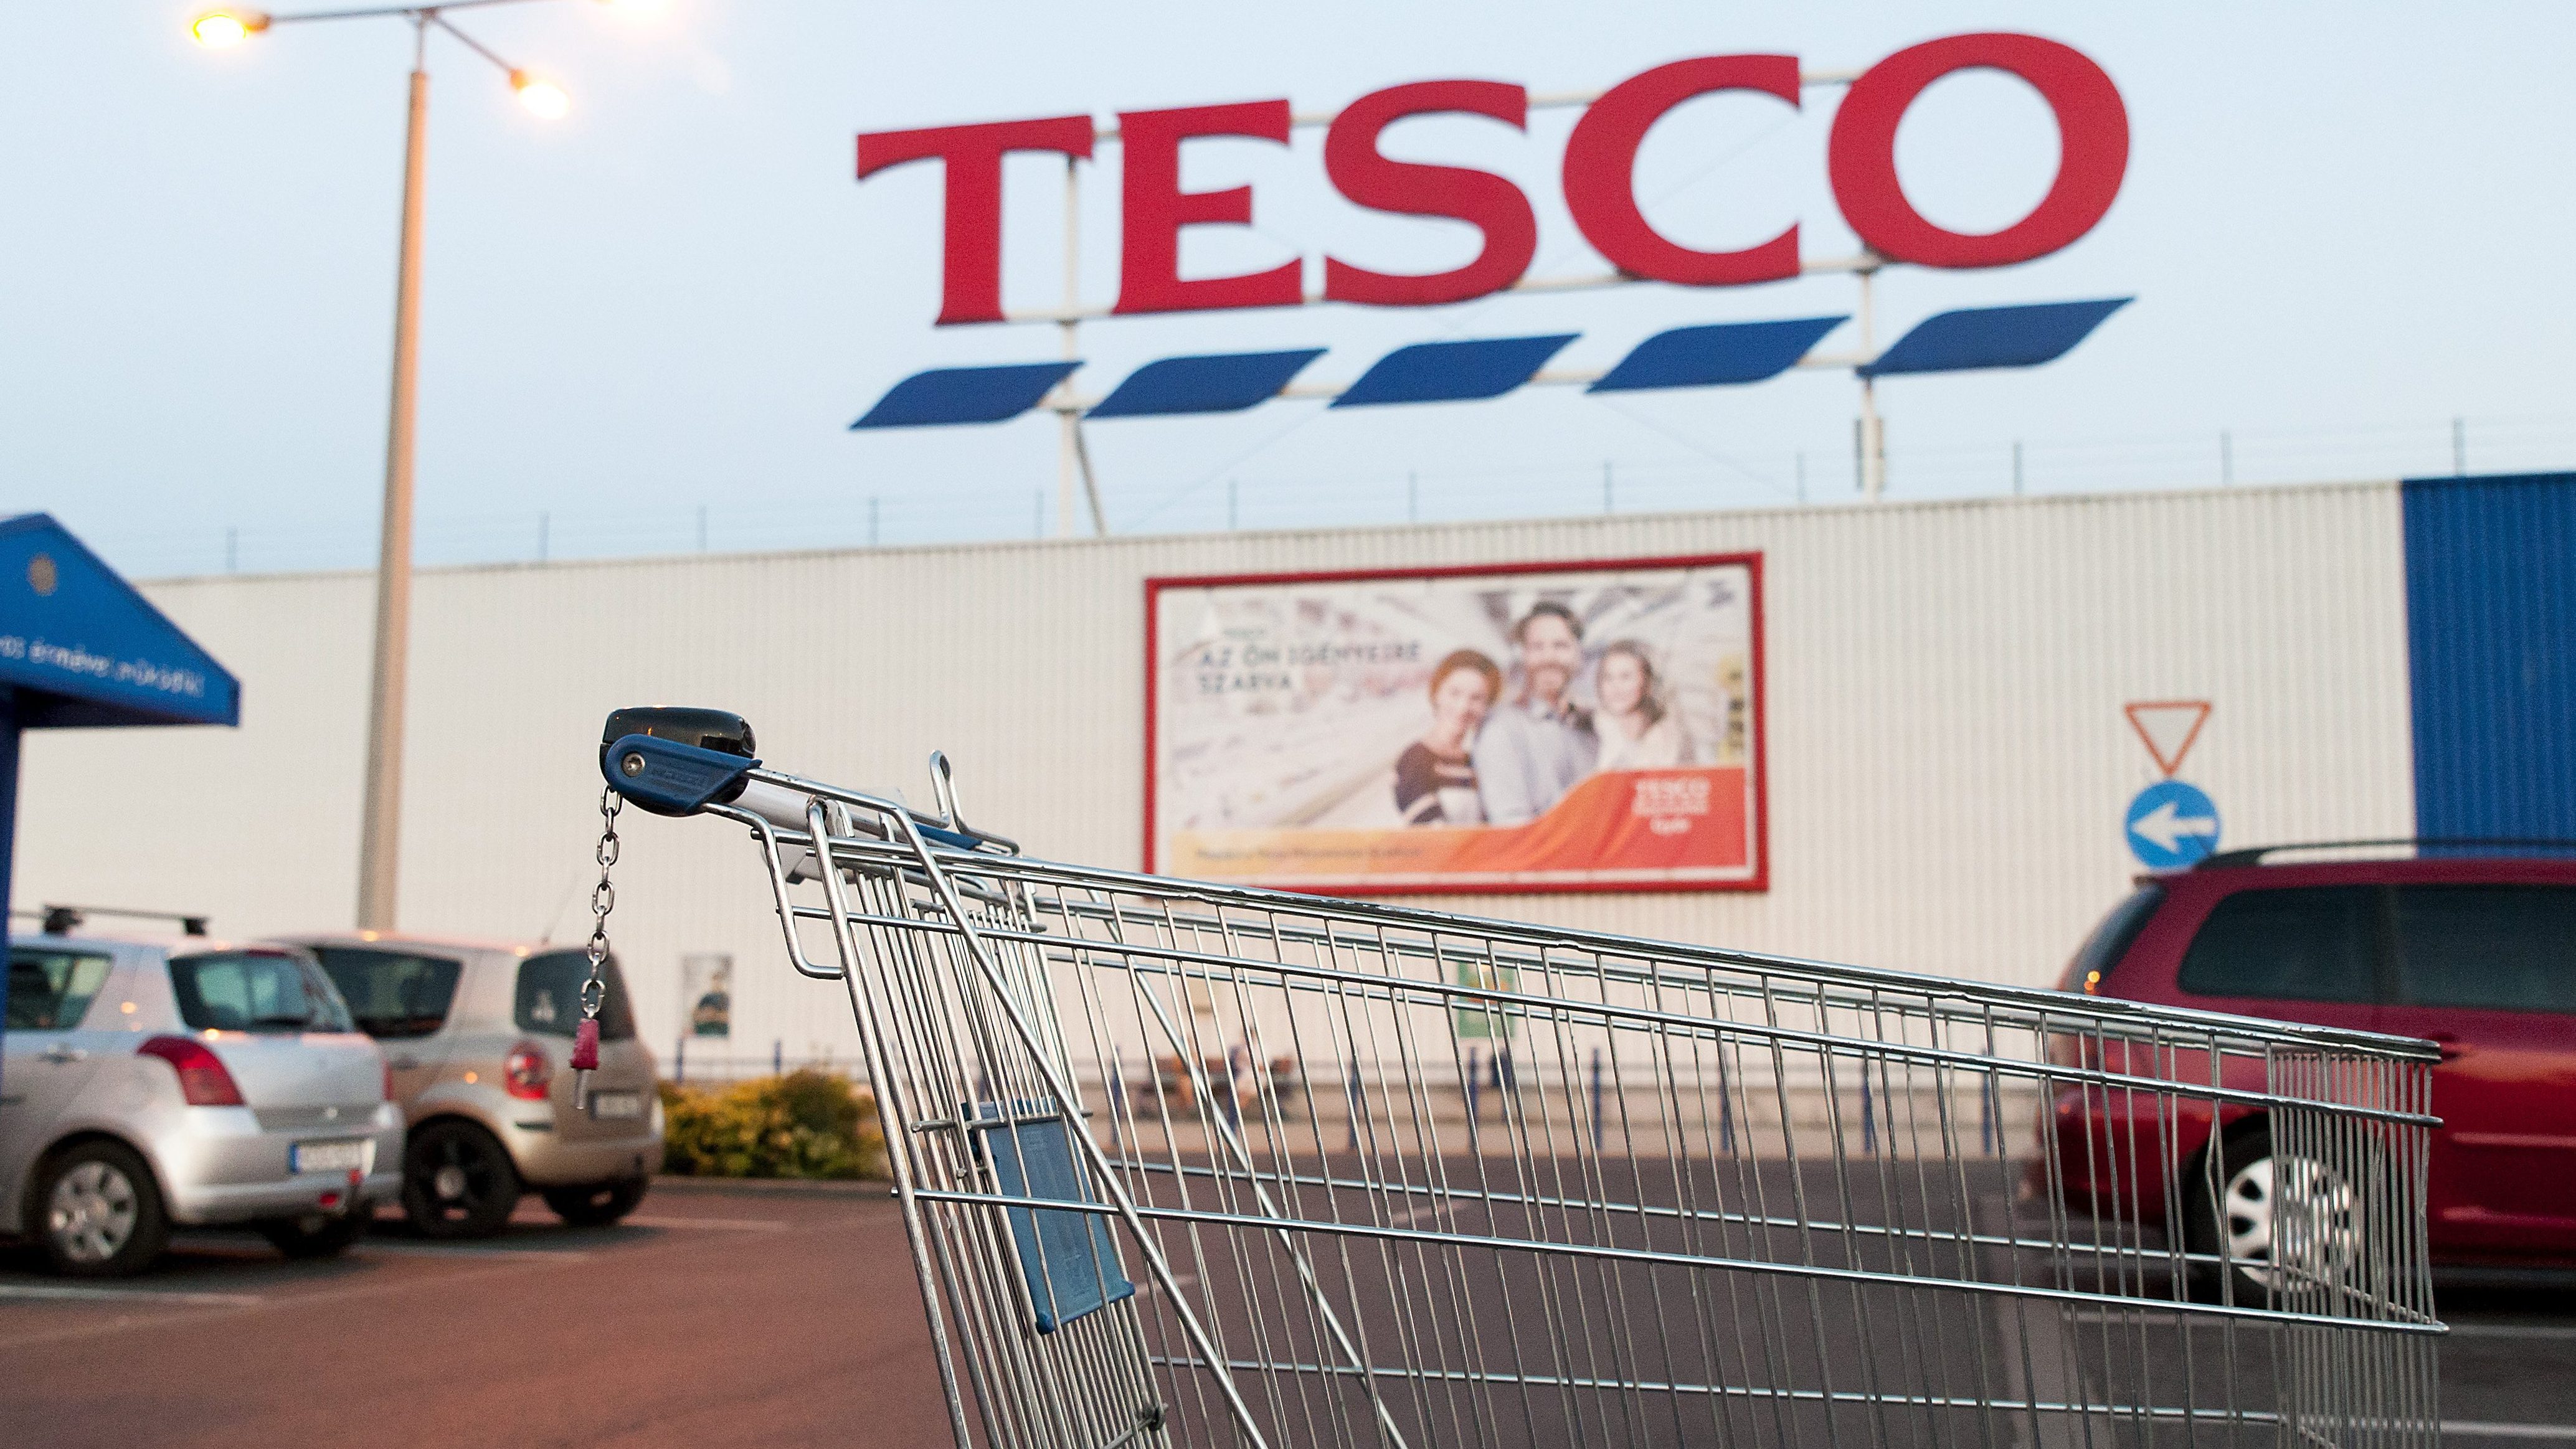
[{"x": 2167, "y": 727}]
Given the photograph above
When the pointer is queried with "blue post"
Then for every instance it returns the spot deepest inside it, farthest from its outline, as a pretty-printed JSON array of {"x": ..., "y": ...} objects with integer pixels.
[
  {"x": 1117, "y": 1085},
  {"x": 8, "y": 824},
  {"x": 1986, "y": 1106},
  {"x": 1597, "y": 1125},
  {"x": 680, "y": 1059},
  {"x": 1868, "y": 1119},
  {"x": 1233, "y": 1104},
  {"x": 1725, "y": 1105},
  {"x": 1358, "y": 1105},
  {"x": 1474, "y": 1078},
  {"x": 778, "y": 1057}
]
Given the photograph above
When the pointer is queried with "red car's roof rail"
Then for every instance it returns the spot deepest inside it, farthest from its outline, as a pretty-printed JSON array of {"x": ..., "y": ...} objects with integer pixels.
[{"x": 2253, "y": 855}]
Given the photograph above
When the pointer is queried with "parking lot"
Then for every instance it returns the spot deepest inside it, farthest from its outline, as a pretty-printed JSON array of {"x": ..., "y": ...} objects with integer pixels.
[{"x": 714, "y": 1316}]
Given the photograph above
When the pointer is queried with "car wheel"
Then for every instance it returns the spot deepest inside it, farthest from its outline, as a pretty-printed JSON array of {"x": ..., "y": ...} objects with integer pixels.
[
  {"x": 458, "y": 1181},
  {"x": 2269, "y": 1252},
  {"x": 315, "y": 1235},
  {"x": 599, "y": 1204},
  {"x": 101, "y": 1210}
]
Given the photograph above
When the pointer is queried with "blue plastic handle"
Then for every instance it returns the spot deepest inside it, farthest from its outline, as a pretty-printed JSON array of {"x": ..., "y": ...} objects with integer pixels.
[{"x": 669, "y": 778}]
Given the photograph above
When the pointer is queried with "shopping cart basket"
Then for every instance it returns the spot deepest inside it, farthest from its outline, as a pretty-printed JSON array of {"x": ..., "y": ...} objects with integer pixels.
[{"x": 1200, "y": 1164}]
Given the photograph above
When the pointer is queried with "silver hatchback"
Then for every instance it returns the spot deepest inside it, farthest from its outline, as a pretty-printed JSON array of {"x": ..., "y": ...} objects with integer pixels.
[
  {"x": 151, "y": 1083},
  {"x": 479, "y": 1038}
]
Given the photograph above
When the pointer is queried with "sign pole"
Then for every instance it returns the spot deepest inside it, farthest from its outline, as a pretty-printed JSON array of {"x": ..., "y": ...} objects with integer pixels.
[
  {"x": 1873, "y": 442},
  {"x": 1068, "y": 441}
]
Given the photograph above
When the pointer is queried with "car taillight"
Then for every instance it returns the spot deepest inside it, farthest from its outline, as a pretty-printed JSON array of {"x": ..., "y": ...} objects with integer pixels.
[
  {"x": 528, "y": 1072},
  {"x": 202, "y": 1078}
]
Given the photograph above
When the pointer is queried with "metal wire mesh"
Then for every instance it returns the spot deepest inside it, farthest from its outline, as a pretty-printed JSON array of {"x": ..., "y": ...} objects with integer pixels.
[{"x": 1205, "y": 1165}]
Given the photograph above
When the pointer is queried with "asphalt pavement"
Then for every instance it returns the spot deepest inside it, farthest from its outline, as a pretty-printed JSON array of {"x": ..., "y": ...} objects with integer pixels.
[{"x": 711, "y": 1318}]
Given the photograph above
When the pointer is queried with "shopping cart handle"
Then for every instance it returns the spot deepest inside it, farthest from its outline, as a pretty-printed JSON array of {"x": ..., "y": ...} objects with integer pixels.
[{"x": 670, "y": 778}]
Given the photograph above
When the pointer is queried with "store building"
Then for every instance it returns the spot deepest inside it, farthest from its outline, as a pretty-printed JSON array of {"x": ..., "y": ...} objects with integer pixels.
[{"x": 1941, "y": 766}]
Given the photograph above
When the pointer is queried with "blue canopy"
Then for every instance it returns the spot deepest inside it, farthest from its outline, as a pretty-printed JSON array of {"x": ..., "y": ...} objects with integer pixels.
[{"x": 79, "y": 647}]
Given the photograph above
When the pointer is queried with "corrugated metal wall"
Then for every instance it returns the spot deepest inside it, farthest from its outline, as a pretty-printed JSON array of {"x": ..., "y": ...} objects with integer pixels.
[
  {"x": 1949, "y": 759},
  {"x": 2491, "y": 620}
]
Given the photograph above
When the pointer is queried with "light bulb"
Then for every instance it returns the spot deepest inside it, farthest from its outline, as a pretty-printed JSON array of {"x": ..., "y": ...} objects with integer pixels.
[
  {"x": 217, "y": 29},
  {"x": 541, "y": 96}
]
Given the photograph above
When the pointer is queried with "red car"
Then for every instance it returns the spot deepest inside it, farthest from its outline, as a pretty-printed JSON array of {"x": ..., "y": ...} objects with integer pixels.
[{"x": 2471, "y": 947}]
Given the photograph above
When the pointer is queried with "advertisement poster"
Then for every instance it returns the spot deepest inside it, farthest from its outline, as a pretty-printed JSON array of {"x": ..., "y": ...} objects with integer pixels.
[{"x": 1593, "y": 727}]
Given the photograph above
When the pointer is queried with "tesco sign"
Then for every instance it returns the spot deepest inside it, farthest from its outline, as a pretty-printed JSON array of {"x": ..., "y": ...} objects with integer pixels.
[{"x": 1597, "y": 179}]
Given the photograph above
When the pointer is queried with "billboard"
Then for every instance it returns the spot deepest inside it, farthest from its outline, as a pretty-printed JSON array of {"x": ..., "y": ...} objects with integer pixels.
[{"x": 1516, "y": 728}]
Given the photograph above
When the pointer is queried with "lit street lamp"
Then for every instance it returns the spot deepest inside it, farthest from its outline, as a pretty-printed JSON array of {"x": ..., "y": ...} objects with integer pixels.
[{"x": 380, "y": 834}]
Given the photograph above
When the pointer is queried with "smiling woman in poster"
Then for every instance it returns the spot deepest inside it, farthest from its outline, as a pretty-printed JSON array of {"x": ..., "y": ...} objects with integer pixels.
[
  {"x": 1637, "y": 731},
  {"x": 1435, "y": 784}
]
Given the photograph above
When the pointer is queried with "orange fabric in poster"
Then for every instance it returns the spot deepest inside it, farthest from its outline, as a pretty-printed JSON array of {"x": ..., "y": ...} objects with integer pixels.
[{"x": 1628, "y": 826}]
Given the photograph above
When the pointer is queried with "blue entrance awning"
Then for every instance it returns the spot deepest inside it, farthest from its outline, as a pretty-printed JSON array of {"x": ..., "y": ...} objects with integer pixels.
[{"x": 80, "y": 647}]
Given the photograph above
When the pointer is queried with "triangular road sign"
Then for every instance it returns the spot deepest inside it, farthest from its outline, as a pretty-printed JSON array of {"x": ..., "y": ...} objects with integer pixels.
[{"x": 2167, "y": 727}]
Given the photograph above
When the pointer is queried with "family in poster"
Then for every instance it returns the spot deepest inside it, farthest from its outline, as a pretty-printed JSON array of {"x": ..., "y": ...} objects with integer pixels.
[{"x": 1573, "y": 728}]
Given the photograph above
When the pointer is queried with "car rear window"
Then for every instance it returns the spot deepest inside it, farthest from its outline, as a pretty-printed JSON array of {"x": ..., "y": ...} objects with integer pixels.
[
  {"x": 50, "y": 989},
  {"x": 393, "y": 994},
  {"x": 549, "y": 1002},
  {"x": 2288, "y": 943},
  {"x": 2111, "y": 940},
  {"x": 256, "y": 991},
  {"x": 2496, "y": 947}
]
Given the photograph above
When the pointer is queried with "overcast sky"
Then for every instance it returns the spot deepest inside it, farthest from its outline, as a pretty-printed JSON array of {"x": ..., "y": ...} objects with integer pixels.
[{"x": 2337, "y": 220}]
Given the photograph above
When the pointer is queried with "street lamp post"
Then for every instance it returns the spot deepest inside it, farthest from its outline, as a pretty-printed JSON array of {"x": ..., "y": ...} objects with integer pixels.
[{"x": 380, "y": 831}]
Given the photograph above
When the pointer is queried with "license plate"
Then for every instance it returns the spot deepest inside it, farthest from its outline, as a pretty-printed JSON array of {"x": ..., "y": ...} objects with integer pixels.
[
  {"x": 616, "y": 1106},
  {"x": 327, "y": 1157}
]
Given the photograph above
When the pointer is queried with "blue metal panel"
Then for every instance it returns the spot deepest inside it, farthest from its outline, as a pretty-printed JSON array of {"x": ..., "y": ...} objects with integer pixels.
[
  {"x": 2491, "y": 640},
  {"x": 1716, "y": 355},
  {"x": 1067, "y": 1258},
  {"x": 965, "y": 395},
  {"x": 1452, "y": 371},
  {"x": 81, "y": 647},
  {"x": 1225, "y": 382},
  {"x": 1977, "y": 337}
]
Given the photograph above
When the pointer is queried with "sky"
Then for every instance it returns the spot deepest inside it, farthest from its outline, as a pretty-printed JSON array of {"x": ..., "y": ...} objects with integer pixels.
[{"x": 648, "y": 325}]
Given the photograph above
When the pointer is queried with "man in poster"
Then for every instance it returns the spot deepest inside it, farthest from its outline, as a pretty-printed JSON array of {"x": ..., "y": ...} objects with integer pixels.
[{"x": 1537, "y": 745}]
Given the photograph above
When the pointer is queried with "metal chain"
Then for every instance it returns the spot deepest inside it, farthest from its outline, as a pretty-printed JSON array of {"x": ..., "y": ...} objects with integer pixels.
[{"x": 603, "y": 899}]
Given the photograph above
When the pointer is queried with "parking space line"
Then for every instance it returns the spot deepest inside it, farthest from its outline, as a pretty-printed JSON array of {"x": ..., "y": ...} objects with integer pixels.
[
  {"x": 374, "y": 1247},
  {"x": 80, "y": 1294},
  {"x": 747, "y": 1225},
  {"x": 2470, "y": 1430},
  {"x": 2513, "y": 1330}
]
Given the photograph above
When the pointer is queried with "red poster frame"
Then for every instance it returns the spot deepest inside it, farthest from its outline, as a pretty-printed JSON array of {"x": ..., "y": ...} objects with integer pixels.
[{"x": 1760, "y": 772}]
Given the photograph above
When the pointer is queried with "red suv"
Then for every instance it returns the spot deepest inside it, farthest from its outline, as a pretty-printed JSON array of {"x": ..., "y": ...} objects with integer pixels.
[{"x": 2468, "y": 944}]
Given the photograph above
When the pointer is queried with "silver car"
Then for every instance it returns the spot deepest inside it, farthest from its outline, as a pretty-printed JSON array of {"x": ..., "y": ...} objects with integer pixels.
[
  {"x": 151, "y": 1083},
  {"x": 479, "y": 1037}
]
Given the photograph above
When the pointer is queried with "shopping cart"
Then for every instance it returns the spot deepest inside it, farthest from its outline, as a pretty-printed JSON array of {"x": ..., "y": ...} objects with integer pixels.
[{"x": 1199, "y": 1164}]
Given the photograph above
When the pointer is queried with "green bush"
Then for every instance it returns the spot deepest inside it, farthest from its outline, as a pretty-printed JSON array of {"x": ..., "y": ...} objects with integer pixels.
[{"x": 804, "y": 1124}]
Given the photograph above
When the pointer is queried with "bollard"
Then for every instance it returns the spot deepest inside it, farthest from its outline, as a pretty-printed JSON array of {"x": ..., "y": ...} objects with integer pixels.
[
  {"x": 778, "y": 1057},
  {"x": 1233, "y": 1093},
  {"x": 680, "y": 1061},
  {"x": 1472, "y": 1078},
  {"x": 1597, "y": 1126}
]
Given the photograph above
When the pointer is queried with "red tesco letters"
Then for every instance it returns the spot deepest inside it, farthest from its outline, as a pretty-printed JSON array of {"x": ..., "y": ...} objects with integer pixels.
[{"x": 1598, "y": 179}]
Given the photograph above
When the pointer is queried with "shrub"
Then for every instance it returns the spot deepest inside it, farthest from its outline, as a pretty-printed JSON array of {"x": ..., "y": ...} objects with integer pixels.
[{"x": 804, "y": 1124}]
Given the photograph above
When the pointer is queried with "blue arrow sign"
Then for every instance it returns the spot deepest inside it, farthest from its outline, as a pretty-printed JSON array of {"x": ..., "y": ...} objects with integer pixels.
[{"x": 2171, "y": 825}]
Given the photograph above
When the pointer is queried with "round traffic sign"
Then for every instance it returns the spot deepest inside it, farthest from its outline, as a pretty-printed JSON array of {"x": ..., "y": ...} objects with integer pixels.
[{"x": 2171, "y": 825}]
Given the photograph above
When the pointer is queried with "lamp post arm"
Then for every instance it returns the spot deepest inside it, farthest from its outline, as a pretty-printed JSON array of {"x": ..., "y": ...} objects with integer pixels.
[{"x": 415, "y": 13}]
